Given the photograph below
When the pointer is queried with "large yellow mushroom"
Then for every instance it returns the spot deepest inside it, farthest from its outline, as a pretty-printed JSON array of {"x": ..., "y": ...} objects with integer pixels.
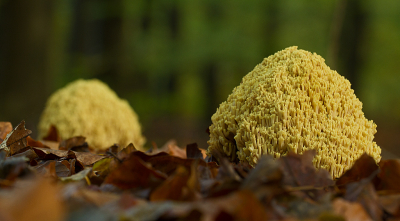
[
  {"x": 293, "y": 102},
  {"x": 90, "y": 108}
]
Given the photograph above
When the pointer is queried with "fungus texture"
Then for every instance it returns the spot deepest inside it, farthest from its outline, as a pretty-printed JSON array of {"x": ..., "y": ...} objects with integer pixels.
[
  {"x": 90, "y": 108},
  {"x": 293, "y": 102}
]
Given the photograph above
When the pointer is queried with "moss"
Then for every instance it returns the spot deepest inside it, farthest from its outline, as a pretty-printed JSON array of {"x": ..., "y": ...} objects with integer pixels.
[
  {"x": 90, "y": 108},
  {"x": 293, "y": 102}
]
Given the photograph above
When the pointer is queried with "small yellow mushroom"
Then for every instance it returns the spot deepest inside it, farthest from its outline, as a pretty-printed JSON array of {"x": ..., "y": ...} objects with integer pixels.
[
  {"x": 294, "y": 102},
  {"x": 90, "y": 108}
]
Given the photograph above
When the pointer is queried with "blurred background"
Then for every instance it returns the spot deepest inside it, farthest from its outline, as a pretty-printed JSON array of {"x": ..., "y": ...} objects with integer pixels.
[{"x": 176, "y": 60}]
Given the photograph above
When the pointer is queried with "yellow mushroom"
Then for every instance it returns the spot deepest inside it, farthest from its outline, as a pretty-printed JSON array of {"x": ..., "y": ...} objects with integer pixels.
[
  {"x": 293, "y": 101},
  {"x": 90, "y": 108}
]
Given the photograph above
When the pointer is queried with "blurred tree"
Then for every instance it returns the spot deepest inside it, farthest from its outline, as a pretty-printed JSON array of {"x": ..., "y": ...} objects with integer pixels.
[
  {"x": 30, "y": 45},
  {"x": 345, "y": 49}
]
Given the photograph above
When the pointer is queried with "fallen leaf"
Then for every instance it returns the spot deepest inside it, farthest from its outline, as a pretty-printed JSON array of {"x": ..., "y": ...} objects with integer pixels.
[
  {"x": 96, "y": 197},
  {"x": 241, "y": 205},
  {"x": 193, "y": 152},
  {"x": 13, "y": 168},
  {"x": 363, "y": 167},
  {"x": 391, "y": 204},
  {"x": 47, "y": 169},
  {"x": 266, "y": 171},
  {"x": 74, "y": 143},
  {"x": 52, "y": 135},
  {"x": 134, "y": 173},
  {"x": 166, "y": 163},
  {"x": 50, "y": 154},
  {"x": 126, "y": 151},
  {"x": 34, "y": 143},
  {"x": 177, "y": 187},
  {"x": 16, "y": 139},
  {"x": 35, "y": 200},
  {"x": 389, "y": 176},
  {"x": 50, "y": 144},
  {"x": 350, "y": 210},
  {"x": 78, "y": 176},
  {"x": 85, "y": 158},
  {"x": 30, "y": 154},
  {"x": 172, "y": 149},
  {"x": 5, "y": 128},
  {"x": 298, "y": 171}
]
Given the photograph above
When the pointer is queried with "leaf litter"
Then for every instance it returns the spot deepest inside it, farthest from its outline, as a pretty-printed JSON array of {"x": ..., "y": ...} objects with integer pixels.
[{"x": 67, "y": 180}]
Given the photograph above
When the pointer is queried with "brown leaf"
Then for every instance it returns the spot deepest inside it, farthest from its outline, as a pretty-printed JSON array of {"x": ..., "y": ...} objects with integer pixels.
[
  {"x": 389, "y": 176},
  {"x": 267, "y": 171},
  {"x": 74, "y": 143},
  {"x": 181, "y": 186},
  {"x": 50, "y": 144},
  {"x": 72, "y": 169},
  {"x": 126, "y": 151},
  {"x": 34, "y": 143},
  {"x": 47, "y": 169},
  {"x": 167, "y": 163},
  {"x": 240, "y": 205},
  {"x": 16, "y": 139},
  {"x": 172, "y": 149},
  {"x": 362, "y": 168},
  {"x": 50, "y": 154},
  {"x": 134, "y": 173},
  {"x": 95, "y": 197},
  {"x": 52, "y": 135},
  {"x": 5, "y": 128},
  {"x": 350, "y": 211},
  {"x": 193, "y": 152},
  {"x": 30, "y": 154},
  {"x": 85, "y": 158},
  {"x": 62, "y": 168},
  {"x": 298, "y": 170},
  {"x": 35, "y": 200},
  {"x": 391, "y": 204}
]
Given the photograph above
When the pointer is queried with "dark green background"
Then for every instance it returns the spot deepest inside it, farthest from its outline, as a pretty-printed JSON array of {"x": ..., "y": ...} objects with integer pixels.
[{"x": 176, "y": 60}]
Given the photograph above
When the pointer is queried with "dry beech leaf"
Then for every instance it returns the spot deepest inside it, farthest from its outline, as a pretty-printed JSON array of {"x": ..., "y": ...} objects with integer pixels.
[
  {"x": 391, "y": 204},
  {"x": 299, "y": 174},
  {"x": 73, "y": 143},
  {"x": 181, "y": 186},
  {"x": 5, "y": 128},
  {"x": 85, "y": 158},
  {"x": 15, "y": 141},
  {"x": 167, "y": 163},
  {"x": 363, "y": 167},
  {"x": 50, "y": 154},
  {"x": 298, "y": 170},
  {"x": 52, "y": 135},
  {"x": 389, "y": 176},
  {"x": 95, "y": 197},
  {"x": 350, "y": 211},
  {"x": 240, "y": 205},
  {"x": 193, "y": 152},
  {"x": 34, "y": 143},
  {"x": 172, "y": 149},
  {"x": 134, "y": 173},
  {"x": 126, "y": 151},
  {"x": 34, "y": 200}
]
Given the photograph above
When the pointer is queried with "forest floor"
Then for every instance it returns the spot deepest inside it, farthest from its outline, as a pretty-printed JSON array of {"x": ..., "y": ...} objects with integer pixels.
[{"x": 67, "y": 180}]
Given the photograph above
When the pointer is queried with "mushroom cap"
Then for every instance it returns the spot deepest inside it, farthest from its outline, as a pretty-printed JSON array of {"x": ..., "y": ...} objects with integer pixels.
[
  {"x": 91, "y": 109},
  {"x": 292, "y": 102}
]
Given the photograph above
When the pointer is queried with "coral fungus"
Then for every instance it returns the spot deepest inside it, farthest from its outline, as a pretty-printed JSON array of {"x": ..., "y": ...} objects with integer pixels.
[
  {"x": 90, "y": 108},
  {"x": 293, "y": 102}
]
